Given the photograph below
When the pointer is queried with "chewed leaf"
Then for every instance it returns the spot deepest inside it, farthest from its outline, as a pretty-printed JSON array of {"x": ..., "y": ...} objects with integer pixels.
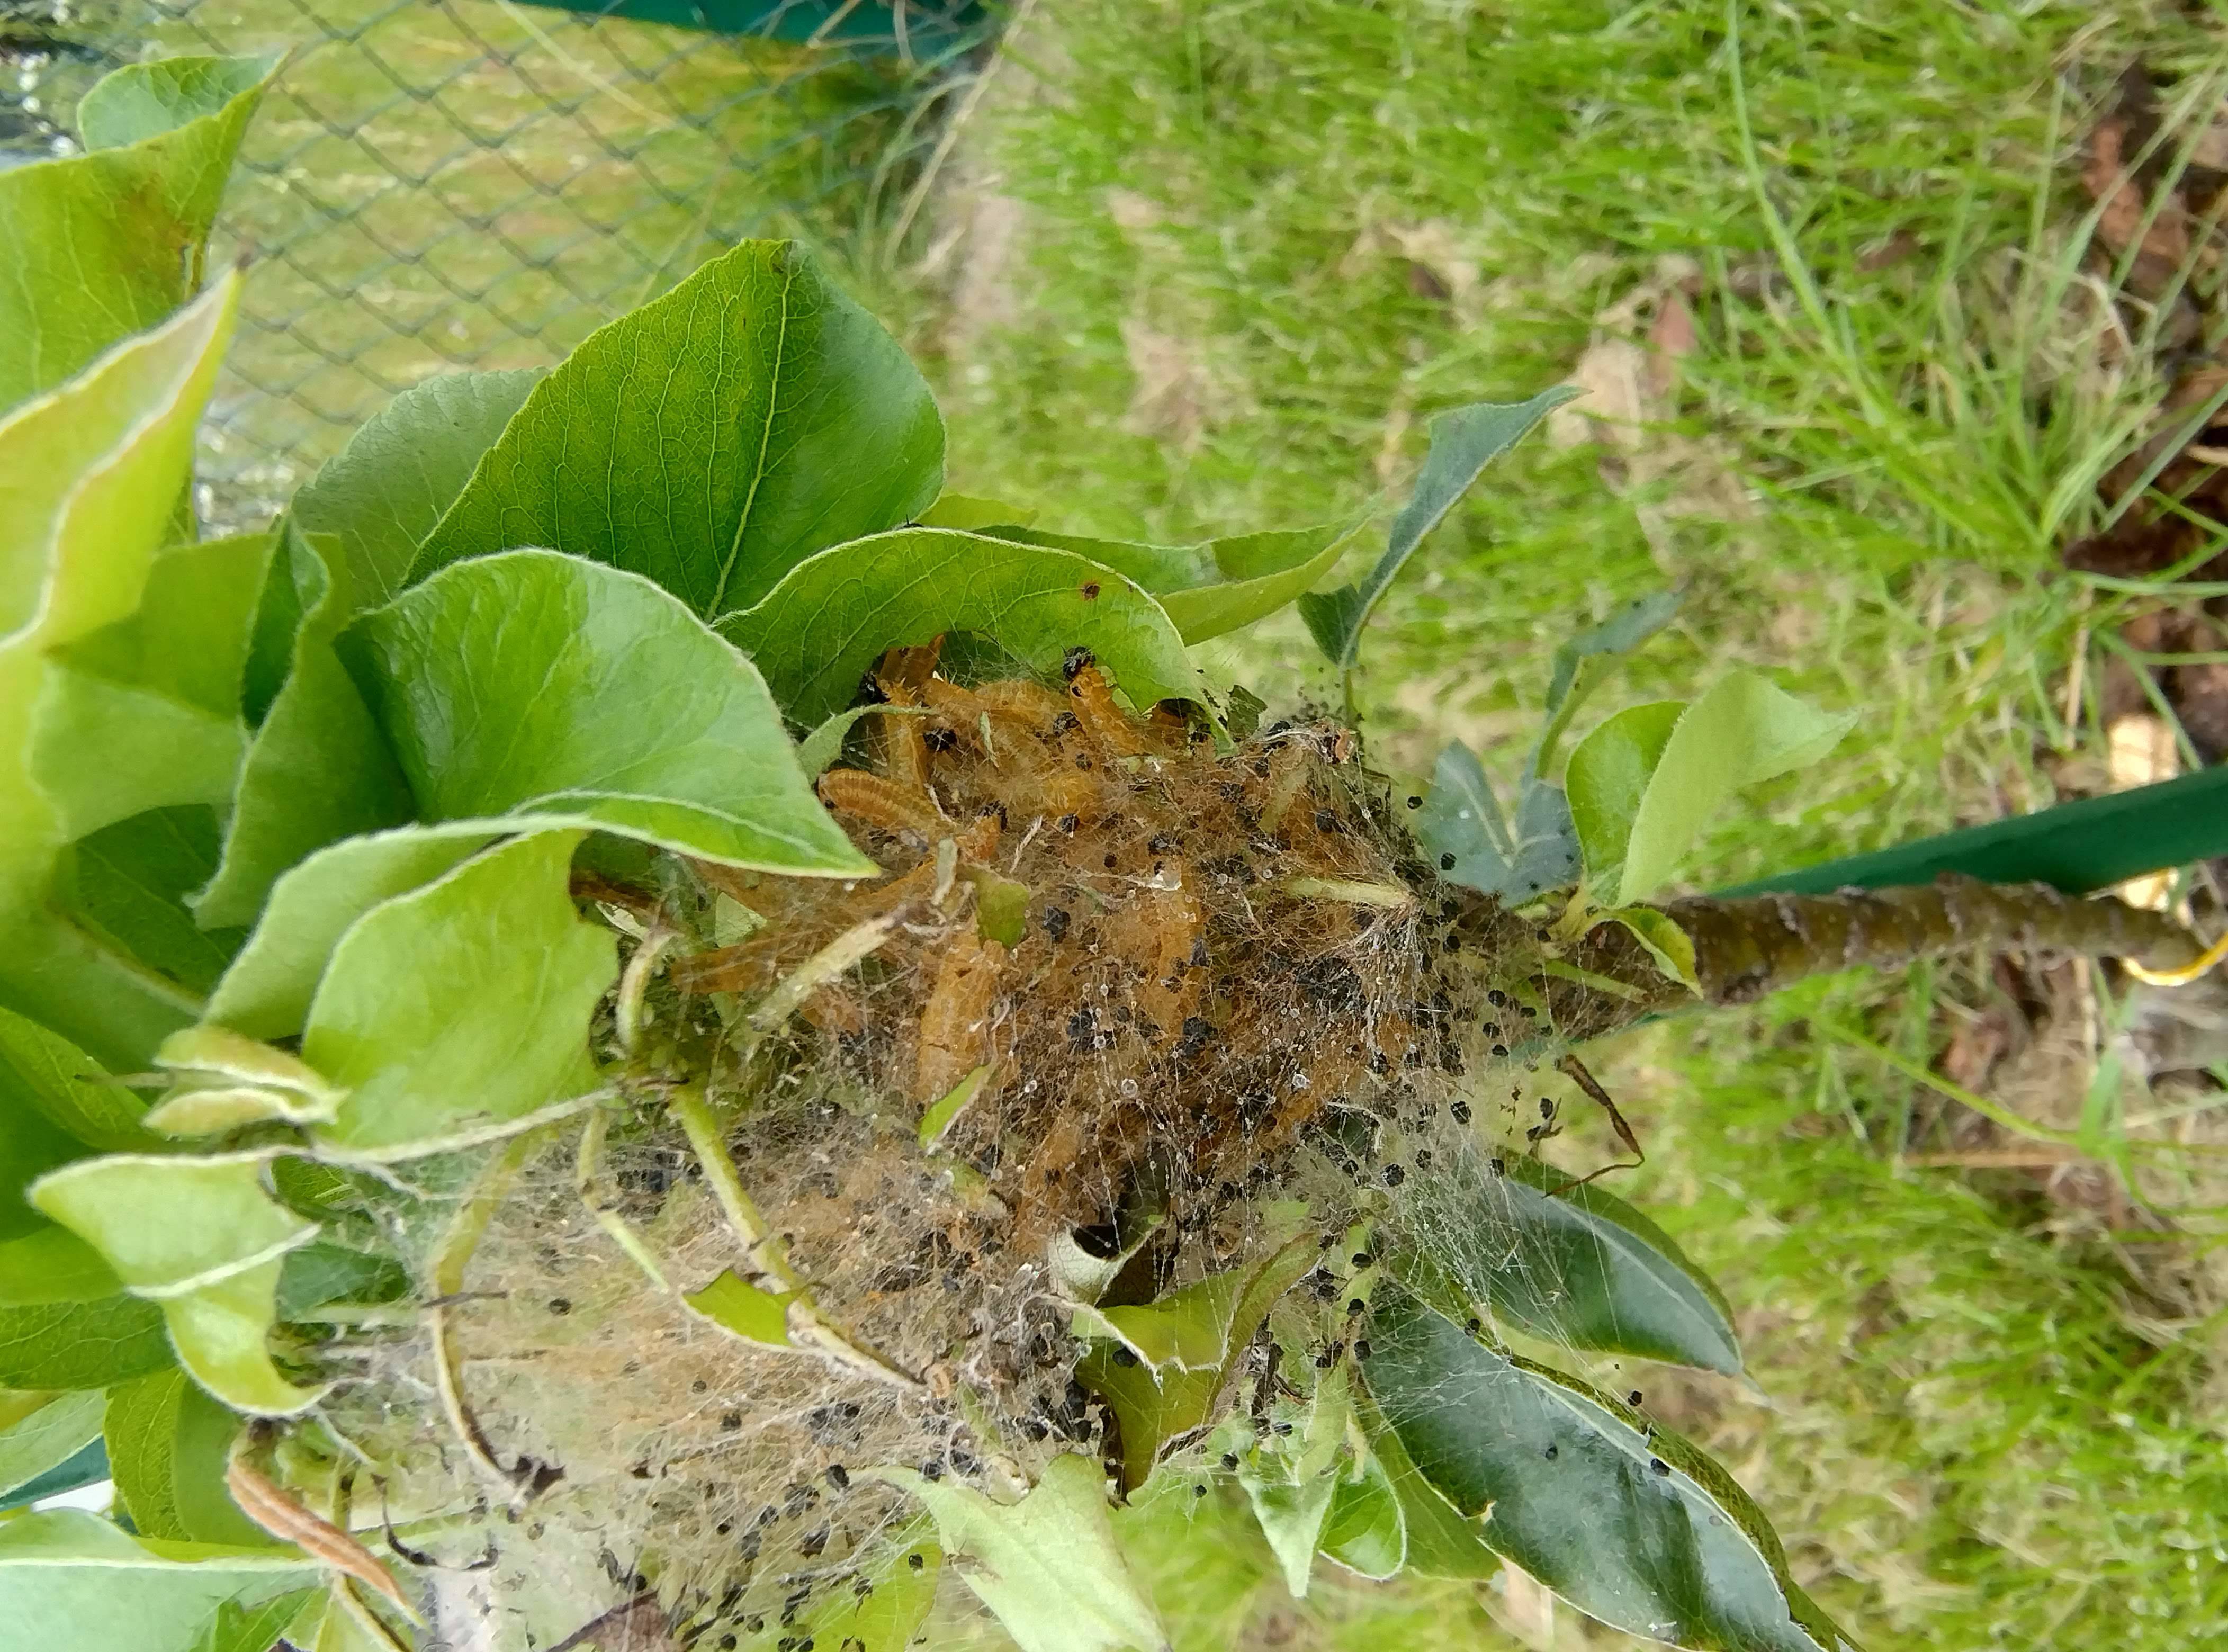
[
  {"x": 1217, "y": 586},
  {"x": 1084, "y": 1276},
  {"x": 1156, "y": 1395},
  {"x": 1464, "y": 440},
  {"x": 103, "y": 245},
  {"x": 383, "y": 493},
  {"x": 1628, "y": 1522},
  {"x": 90, "y": 475},
  {"x": 1461, "y": 830},
  {"x": 784, "y": 419},
  {"x": 1292, "y": 1516},
  {"x": 1578, "y": 1265},
  {"x": 1363, "y": 1531},
  {"x": 815, "y": 634},
  {"x": 885, "y": 1615},
  {"x": 427, "y": 1018},
  {"x": 734, "y": 1304},
  {"x": 1046, "y": 1567},
  {"x": 531, "y": 688},
  {"x": 266, "y": 991},
  {"x": 72, "y": 1582}
]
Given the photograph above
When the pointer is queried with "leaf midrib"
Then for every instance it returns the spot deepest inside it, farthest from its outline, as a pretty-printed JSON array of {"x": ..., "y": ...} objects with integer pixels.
[{"x": 765, "y": 441}]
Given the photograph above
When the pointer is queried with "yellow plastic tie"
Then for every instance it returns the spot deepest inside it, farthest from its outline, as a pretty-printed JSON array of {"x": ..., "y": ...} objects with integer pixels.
[{"x": 2188, "y": 972}]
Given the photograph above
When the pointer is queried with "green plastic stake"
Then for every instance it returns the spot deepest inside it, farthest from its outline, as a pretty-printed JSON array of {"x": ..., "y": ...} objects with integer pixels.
[{"x": 2075, "y": 847}]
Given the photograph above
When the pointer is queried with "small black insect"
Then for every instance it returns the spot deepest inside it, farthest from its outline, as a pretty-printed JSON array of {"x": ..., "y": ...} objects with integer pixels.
[{"x": 1447, "y": 861}]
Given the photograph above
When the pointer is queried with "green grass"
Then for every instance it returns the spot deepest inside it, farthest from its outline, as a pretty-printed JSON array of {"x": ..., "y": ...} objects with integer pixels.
[{"x": 1990, "y": 1422}]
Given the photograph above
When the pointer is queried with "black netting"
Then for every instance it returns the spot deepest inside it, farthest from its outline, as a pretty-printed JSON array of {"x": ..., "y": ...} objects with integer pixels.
[{"x": 444, "y": 184}]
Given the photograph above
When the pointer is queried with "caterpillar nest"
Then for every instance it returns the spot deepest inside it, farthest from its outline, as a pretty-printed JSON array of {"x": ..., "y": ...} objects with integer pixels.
[{"x": 1131, "y": 986}]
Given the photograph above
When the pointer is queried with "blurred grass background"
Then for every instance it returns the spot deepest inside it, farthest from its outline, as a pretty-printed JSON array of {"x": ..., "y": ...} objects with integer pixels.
[{"x": 1192, "y": 267}]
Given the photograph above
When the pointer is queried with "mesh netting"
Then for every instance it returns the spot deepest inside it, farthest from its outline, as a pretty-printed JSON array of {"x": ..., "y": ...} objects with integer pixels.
[{"x": 436, "y": 184}]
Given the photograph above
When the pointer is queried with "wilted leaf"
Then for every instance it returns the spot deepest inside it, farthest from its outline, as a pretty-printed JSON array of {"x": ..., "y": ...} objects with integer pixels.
[
  {"x": 88, "y": 476},
  {"x": 1160, "y": 1396},
  {"x": 1219, "y": 586},
  {"x": 71, "y": 1582},
  {"x": 265, "y": 992},
  {"x": 1464, "y": 440},
  {"x": 461, "y": 1004},
  {"x": 317, "y": 769},
  {"x": 816, "y": 634},
  {"x": 1629, "y": 1523},
  {"x": 1671, "y": 947},
  {"x": 534, "y": 688},
  {"x": 938, "y": 1116},
  {"x": 1046, "y": 1567},
  {"x": 1745, "y": 730},
  {"x": 1460, "y": 818},
  {"x": 168, "y": 1442},
  {"x": 100, "y": 246},
  {"x": 712, "y": 439},
  {"x": 1571, "y": 1262},
  {"x": 1292, "y": 1516},
  {"x": 381, "y": 495},
  {"x": 48, "y": 1433}
]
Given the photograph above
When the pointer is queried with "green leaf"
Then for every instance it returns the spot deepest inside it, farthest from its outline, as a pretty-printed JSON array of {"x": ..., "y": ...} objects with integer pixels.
[
  {"x": 79, "y": 1345},
  {"x": 382, "y": 494},
  {"x": 158, "y": 693},
  {"x": 1462, "y": 818},
  {"x": 1579, "y": 662},
  {"x": 818, "y": 752},
  {"x": 234, "y": 1628},
  {"x": 1629, "y": 1523},
  {"x": 888, "y": 1619},
  {"x": 44, "y": 1075},
  {"x": 1190, "y": 1339},
  {"x": 1001, "y": 907},
  {"x": 1671, "y": 947},
  {"x": 1575, "y": 1265},
  {"x": 1438, "y": 1540},
  {"x": 819, "y": 630},
  {"x": 1291, "y": 1514},
  {"x": 72, "y": 1582},
  {"x": 46, "y": 1437},
  {"x": 531, "y": 688},
  {"x": 1607, "y": 777},
  {"x": 1363, "y": 1530},
  {"x": 222, "y": 1079},
  {"x": 98, "y": 247},
  {"x": 1219, "y": 586},
  {"x": 1464, "y": 440},
  {"x": 128, "y": 886},
  {"x": 972, "y": 516},
  {"x": 938, "y": 1114},
  {"x": 53, "y": 1266},
  {"x": 168, "y": 1446},
  {"x": 1046, "y": 1567},
  {"x": 321, "y": 1273},
  {"x": 734, "y": 1304},
  {"x": 712, "y": 439},
  {"x": 203, "y": 1238},
  {"x": 267, "y": 992},
  {"x": 88, "y": 475},
  {"x": 462, "y": 1003},
  {"x": 1744, "y": 731},
  {"x": 317, "y": 770}
]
